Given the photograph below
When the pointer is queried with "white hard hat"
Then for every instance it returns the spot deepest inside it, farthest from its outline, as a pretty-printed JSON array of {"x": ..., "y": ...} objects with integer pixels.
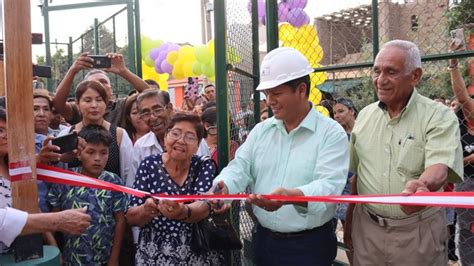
[{"x": 282, "y": 65}]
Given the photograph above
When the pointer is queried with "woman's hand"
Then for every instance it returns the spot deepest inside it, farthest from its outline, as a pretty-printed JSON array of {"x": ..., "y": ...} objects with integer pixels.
[
  {"x": 83, "y": 62},
  {"x": 49, "y": 153},
  {"x": 118, "y": 64},
  {"x": 173, "y": 210},
  {"x": 150, "y": 210}
]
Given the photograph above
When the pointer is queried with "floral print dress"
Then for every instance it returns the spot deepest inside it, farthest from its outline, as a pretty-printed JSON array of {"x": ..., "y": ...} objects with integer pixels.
[{"x": 164, "y": 241}]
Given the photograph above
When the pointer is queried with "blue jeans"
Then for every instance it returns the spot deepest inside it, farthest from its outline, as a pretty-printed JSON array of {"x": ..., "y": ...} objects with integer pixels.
[{"x": 312, "y": 247}]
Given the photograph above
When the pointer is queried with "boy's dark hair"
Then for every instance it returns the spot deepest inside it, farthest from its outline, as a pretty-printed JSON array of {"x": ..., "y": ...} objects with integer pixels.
[
  {"x": 293, "y": 84},
  {"x": 96, "y": 134}
]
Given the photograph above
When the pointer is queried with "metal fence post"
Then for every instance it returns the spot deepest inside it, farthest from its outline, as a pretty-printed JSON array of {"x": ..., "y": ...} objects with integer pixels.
[
  {"x": 272, "y": 24},
  {"x": 256, "y": 60},
  {"x": 96, "y": 36},
  {"x": 221, "y": 82}
]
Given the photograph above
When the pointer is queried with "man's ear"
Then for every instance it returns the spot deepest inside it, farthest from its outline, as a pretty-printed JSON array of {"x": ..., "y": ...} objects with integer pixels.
[
  {"x": 416, "y": 76},
  {"x": 301, "y": 89}
]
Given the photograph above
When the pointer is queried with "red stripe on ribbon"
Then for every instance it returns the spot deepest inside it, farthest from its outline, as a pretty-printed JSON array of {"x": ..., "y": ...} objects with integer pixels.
[
  {"x": 27, "y": 175},
  {"x": 439, "y": 199}
]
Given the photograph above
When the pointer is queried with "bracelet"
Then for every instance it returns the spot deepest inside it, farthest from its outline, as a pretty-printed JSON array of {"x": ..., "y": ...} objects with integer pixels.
[
  {"x": 188, "y": 213},
  {"x": 453, "y": 66}
]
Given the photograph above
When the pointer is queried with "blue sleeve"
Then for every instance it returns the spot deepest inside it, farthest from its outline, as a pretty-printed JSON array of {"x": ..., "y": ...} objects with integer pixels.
[
  {"x": 120, "y": 200},
  {"x": 54, "y": 196}
]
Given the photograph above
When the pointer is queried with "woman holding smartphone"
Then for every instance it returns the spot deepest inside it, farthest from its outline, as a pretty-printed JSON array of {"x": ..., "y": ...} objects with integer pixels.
[{"x": 91, "y": 99}]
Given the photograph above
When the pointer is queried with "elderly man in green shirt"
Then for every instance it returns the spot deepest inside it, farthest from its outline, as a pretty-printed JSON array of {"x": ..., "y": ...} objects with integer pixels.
[
  {"x": 298, "y": 152},
  {"x": 404, "y": 143}
]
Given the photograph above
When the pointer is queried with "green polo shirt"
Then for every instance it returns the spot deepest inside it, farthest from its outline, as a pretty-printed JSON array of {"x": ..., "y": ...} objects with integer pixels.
[{"x": 387, "y": 152}]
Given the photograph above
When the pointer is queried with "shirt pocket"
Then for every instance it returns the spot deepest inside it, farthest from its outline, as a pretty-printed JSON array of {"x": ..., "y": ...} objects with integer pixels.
[{"x": 411, "y": 160}]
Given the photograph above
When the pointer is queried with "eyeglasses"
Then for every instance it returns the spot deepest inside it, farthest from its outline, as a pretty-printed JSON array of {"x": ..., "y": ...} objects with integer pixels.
[
  {"x": 155, "y": 112},
  {"x": 177, "y": 134},
  {"x": 3, "y": 132},
  {"x": 212, "y": 130}
]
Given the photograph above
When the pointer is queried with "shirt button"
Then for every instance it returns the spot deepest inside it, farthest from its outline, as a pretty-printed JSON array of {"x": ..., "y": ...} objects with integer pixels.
[
  {"x": 384, "y": 174},
  {"x": 387, "y": 150}
]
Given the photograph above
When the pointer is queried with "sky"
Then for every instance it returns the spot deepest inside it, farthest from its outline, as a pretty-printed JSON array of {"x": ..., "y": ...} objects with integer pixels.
[{"x": 176, "y": 21}]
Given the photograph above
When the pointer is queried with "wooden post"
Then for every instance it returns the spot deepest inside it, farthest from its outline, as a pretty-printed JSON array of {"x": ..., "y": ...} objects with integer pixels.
[
  {"x": 19, "y": 94},
  {"x": 2, "y": 77}
]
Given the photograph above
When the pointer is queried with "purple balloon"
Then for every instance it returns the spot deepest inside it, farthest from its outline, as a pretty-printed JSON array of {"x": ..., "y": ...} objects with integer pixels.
[
  {"x": 154, "y": 53},
  {"x": 297, "y": 17},
  {"x": 158, "y": 67},
  {"x": 297, "y": 3},
  {"x": 283, "y": 10},
  {"x": 165, "y": 46},
  {"x": 162, "y": 56},
  {"x": 166, "y": 67},
  {"x": 173, "y": 47},
  {"x": 261, "y": 8}
]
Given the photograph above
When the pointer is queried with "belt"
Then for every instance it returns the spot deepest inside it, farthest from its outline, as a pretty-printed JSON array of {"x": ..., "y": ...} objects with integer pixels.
[
  {"x": 384, "y": 221},
  {"x": 280, "y": 235}
]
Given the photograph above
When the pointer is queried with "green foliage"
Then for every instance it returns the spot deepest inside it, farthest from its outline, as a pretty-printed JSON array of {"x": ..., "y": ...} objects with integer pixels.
[
  {"x": 61, "y": 64},
  {"x": 461, "y": 14}
]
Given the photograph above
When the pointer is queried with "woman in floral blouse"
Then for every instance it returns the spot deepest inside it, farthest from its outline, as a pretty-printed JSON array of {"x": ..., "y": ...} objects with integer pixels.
[{"x": 166, "y": 226}]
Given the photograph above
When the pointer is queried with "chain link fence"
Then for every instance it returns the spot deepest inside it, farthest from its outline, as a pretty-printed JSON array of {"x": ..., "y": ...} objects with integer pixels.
[
  {"x": 340, "y": 44},
  {"x": 104, "y": 37},
  {"x": 110, "y": 35}
]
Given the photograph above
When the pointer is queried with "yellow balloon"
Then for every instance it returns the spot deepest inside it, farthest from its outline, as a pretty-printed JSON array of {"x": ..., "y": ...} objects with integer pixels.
[
  {"x": 188, "y": 69},
  {"x": 317, "y": 78},
  {"x": 172, "y": 57},
  {"x": 322, "y": 110},
  {"x": 306, "y": 33},
  {"x": 286, "y": 32},
  {"x": 315, "y": 96},
  {"x": 210, "y": 46}
]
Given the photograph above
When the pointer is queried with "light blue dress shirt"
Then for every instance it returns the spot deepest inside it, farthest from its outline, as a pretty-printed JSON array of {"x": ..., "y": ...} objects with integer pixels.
[{"x": 314, "y": 157}]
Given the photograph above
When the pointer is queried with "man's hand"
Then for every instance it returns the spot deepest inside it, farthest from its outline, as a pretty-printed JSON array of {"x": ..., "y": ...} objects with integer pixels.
[
  {"x": 413, "y": 187},
  {"x": 118, "y": 64},
  {"x": 83, "y": 62},
  {"x": 269, "y": 205},
  {"x": 49, "y": 153},
  {"x": 218, "y": 205},
  {"x": 74, "y": 221}
]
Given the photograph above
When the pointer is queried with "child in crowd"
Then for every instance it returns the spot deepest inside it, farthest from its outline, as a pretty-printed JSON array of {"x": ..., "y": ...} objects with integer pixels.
[{"x": 100, "y": 243}]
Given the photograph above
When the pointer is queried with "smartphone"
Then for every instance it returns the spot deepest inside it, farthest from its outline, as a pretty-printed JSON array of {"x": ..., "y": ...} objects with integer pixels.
[
  {"x": 41, "y": 71},
  {"x": 101, "y": 61},
  {"x": 66, "y": 143},
  {"x": 458, "y": 37}
]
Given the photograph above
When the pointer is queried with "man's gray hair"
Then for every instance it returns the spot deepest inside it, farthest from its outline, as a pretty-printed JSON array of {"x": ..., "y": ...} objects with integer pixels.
[
  {"x": 94, "y": 71},
  {"x": 149, "y": 93},
  {"x": 412, "y": 58}
]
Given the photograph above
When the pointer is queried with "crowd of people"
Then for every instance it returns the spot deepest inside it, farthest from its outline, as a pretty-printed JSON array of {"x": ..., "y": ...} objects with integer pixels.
[{"x": 403, "y": 143}]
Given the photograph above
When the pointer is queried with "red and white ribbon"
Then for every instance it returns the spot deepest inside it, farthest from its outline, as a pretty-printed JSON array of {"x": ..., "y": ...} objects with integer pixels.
[{"x": 440, "y": 199}]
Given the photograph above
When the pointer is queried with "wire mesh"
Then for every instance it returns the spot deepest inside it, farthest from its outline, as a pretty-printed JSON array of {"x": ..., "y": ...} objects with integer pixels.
[
  {"x": 240, "y": 90},
  {"x": 112, "y": 38}
]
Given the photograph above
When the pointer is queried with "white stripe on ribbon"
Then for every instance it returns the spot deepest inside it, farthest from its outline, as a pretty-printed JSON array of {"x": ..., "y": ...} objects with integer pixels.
[
  {"x": 443, "y": 199},
  {"x": 20, "y": 171}
]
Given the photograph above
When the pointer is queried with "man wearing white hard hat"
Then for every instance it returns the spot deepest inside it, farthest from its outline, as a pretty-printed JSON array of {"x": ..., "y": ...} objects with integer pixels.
[{"x": 297, "y": 152}]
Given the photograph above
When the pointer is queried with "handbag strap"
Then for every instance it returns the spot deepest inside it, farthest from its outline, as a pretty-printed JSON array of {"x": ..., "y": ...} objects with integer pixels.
[{"x": 198, "y": 166}]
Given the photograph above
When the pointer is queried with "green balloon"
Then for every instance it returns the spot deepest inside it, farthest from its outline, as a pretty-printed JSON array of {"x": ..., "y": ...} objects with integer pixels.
[
  {"x": 208, "y": 69},
  {"x": 149, "y": 62},
  {"x": 202, "y": 54},
  {"x": 197, "y": 68}
]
